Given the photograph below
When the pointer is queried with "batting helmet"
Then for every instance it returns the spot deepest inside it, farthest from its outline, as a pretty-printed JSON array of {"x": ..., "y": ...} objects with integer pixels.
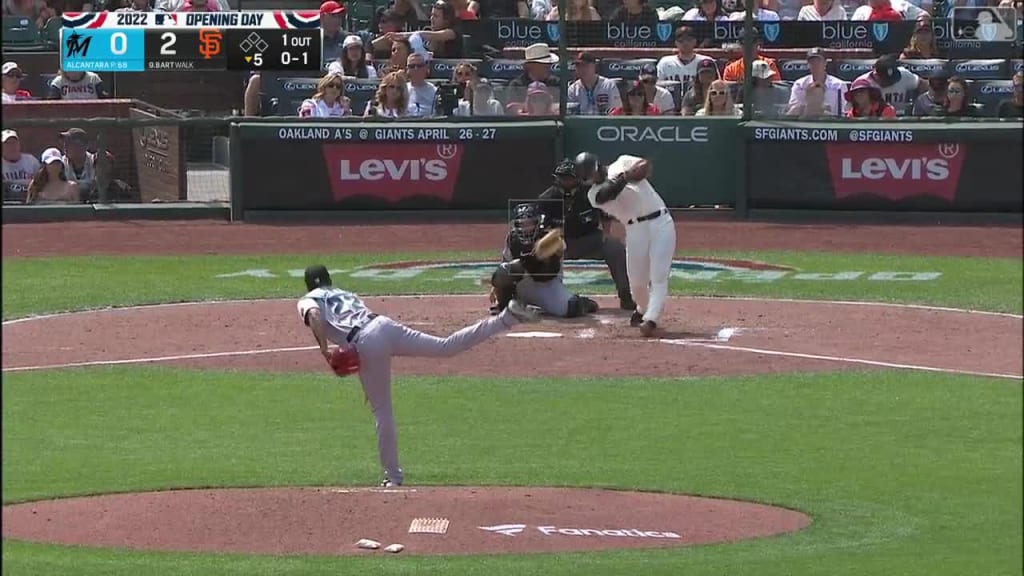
[
  {"x": 317, "y": 276},
  {"x": 587, "y": 166}
]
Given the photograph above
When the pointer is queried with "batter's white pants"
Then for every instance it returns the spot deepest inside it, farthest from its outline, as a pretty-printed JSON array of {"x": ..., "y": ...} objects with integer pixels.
[{"x": 650, "y": 246}]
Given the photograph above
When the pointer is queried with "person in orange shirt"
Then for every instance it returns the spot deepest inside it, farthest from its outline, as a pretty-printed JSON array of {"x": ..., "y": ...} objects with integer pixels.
[
  {"x": 734, "y": 70},
  {"x": 866, "y": 101}
]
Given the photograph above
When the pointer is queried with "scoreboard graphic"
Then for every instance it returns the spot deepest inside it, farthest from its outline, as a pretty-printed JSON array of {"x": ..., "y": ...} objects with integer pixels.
[{"x": 146, "y": 41}]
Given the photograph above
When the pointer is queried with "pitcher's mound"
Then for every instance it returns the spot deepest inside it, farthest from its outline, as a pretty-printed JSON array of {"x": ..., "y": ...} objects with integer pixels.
[{"x": 329, "y": 521}]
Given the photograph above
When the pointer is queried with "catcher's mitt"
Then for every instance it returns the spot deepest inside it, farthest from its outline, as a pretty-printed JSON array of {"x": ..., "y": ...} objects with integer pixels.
[
  {"x": 550, "y": 245},
  {"x": 344, "y": 362}
]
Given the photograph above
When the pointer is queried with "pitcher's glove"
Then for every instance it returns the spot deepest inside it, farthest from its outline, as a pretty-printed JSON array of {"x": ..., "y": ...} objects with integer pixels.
[
  {"x": 552, "y": 244},
  {"x": 344, "y": 361}
]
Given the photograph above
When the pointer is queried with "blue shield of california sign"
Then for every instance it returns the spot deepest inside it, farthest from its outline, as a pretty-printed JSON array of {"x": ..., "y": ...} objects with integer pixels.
[
  {"x": 771, "y": 31},
  {"x": 664, "y": 31},
  {"x": 553, "y": 32},
  {"x": 880, "y": 30}
]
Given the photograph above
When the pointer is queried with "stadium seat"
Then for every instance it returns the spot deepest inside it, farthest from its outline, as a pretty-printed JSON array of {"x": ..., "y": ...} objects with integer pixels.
[
  {"x": 444, "y": 69},
  {"x": 989, "y": 93},
  {"x": 793, "y": 69},
  {"x": 501, "y": 68},
  {"x": 21, "y": 33},
  {"x": 995, "y": 69},
  {"x": 628, "y": 69},
  {"x": 849, "y": 70},
  {"x": 926, "y": 68},
  {"x": 51, "y": 33}
]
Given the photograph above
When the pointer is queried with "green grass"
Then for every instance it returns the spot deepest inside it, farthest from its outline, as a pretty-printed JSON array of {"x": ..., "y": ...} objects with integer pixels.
[
  {"x": 38, "y": 285},
  {"x": 903, "y": 473}
]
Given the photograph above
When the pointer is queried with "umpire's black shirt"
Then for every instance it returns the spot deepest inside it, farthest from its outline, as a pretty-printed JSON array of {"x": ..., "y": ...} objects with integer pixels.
[{"x": 573, "y": 212}]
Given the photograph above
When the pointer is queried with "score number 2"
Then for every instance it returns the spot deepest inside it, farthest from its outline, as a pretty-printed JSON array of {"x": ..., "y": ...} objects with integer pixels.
[
  {"x": 485, "y": 133},
  {"x": 167, "y": 48}
]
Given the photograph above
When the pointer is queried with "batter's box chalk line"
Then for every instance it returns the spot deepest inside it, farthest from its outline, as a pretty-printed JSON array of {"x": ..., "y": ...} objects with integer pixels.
[
  {"x": 428, "y": 526},
  {"x": 533, "y": 335}
]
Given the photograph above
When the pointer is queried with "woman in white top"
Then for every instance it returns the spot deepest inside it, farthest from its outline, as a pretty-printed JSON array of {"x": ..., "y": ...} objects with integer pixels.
[
  {"x": 579, "y": 11},
  {"x": 329, "y": 100},
  {"x": 50, "y": 183},
  {"x": 823, "y": 10},
  {"x": 718, "y": 101},
  {"x": 352, "y": 61},
  {"x": 706, "y": 11},
  {"x": 392, "y": 99},
  {"x": 479, "y": 101}
]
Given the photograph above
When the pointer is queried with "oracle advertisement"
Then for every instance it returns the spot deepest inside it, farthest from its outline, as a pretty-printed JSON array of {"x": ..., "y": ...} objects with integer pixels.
[
  {"x": 950, "y": 176},
  {"x": 315, "y": 174}
]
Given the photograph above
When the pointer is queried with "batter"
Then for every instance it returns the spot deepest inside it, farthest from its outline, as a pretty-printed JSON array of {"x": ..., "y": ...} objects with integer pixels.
[
  {"x": 341, "y": 318},
  {"x": 623, "y": 192}
]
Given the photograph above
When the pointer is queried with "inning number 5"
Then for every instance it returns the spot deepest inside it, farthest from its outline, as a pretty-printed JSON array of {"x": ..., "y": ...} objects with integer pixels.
[{"x": 167, "y": 48}]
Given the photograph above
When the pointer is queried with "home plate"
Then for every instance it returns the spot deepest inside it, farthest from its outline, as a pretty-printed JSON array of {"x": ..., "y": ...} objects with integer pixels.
[
  {"x": 585, "y": 333},
  {"x": 533, "y": 335},
  {"x": 723, "y": 335}
]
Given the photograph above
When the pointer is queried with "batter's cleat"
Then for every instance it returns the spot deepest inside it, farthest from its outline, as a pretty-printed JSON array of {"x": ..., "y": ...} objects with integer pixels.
[
  {"x": 387, "y": 483},
  {"x": 648, "y": 327},
  {"x": 523, "y": 312},
  {"x": 636, "y": 319},
  {"x": 627, "y": 303}
]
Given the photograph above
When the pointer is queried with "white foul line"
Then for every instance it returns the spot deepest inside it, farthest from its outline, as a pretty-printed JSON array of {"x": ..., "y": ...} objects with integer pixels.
[
  {"x": 162, "y": 358},
  {"x": 840, "y": 359}
]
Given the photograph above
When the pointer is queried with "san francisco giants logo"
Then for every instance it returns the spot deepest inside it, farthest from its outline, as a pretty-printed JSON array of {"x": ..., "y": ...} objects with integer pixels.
[{"x": 209, "y": 42}]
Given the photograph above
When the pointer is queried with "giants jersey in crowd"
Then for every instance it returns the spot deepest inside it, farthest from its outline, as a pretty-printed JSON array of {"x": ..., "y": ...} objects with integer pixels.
[
  {"x": 596, "y": 102},
  {"x": 636, "y": 199},
  {"x": 89, "y": 87},
  {"x": 17, "y": 175},
  {"x": 539, "y": 270},
  {"x": 672, "y": 68},
  {"x": 340, "y": 311},
  {"x": 902, "y": 92}
]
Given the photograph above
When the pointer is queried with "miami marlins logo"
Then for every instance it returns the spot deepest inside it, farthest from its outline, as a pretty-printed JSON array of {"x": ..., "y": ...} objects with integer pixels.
[
  {"x": 880, "y": 31},
  {"x": 771, "y": 31},
  {"x": 664, "y": 31},
  {"x": 304, "y": 19}
]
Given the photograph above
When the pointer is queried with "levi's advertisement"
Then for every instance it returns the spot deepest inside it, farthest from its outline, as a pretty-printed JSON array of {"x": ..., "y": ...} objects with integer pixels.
[
  {"x": 393, "y": 173},
  {"x": 897, "y": 171}
]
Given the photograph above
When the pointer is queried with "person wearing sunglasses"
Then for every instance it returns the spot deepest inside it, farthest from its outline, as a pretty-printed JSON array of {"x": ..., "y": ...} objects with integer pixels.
[
  {"x": 329, "y": 101},
  {"x": 442, "y": 39},
  {"x": 422, "y": 94},
  {"x": 392, "y": 98},
  {"x": 958, "y": 101},
  {"x": 1014, "y": 107},
  {"x": 636, "y": 103},
  {"x": 693, "y": 100},
  {"x": 718, "y": 101},
  {"x": 659, "y": 96}
]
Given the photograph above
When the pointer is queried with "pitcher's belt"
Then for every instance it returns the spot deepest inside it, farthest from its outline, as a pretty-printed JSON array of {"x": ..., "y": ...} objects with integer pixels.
[
  {"x": 355, "y": 331},
  {"x": 647, "y": 217}
]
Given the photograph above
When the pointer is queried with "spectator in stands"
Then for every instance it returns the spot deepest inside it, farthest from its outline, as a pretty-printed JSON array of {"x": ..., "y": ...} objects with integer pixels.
[
  {"x": 329, "y": 101},
  {"x": 922, "y": 43},
  {"x": 18, "y": 168},
  {"x": 579, "y": 11},
  {"x": 80, "y": 164},
  {"x": 762, "y": 14},
  {"x": 822, "y": 10},
  {"x": 661, "y": 97},
  {"x": 465, "y": 73},
  {"x": 478, "y": 100},
  {"x": 814, "y": 104},
  {"x": 179, "y": 6},
  {"x": 592, "y": 94},
  {"x": 76, "y": 86},
  {"x": 1014, "y": 107},
  {"x": 786, "y": 9},
  {"x": 834, "y": 88},
  {"x": 931, "y": 102},
  {"x": 140, "y": 6},
  {"x": 636, "y": 103},
  {"x": 353, "y": 60},
  {"x": 442, "y": 40},
  {"x": 388, "y": 21},
  {"x": 392, "y": 99},
  {"x": 536, "y": 68},
  {"x": 693, "y": 100},
  {"x": 27, "y": 8},
  {"x": 682, "y": 66},
  {"x": 462, "y": 10},
  {"x": 12, "y": 82},
  {"x": 200, "y": 6},
  {"x": 331, "y": 14},
  {"x": 422, "y": 94},
  {"x": 735, "y": 71},
  {"x": 898, "y": 85},
  {"x": 400, "y": 51},
  {"x": 718, "y": 101},
  {"x": 409, "y": 13},
  {"x": 635, "y": 11},
  {"x": 958, "y": 100},
  {"x": 886, "y": 10},
  {"x": 490, "y": 9},
  {"x": 769, "y": 99},
  {"x": 706, "y": 11},
  {"x": 50, "y": 183},
  {"x": 538, "y": 101},
  {"x": 866, "y": 101}
]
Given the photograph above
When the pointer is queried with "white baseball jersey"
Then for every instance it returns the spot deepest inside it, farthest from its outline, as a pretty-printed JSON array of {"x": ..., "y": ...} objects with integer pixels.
[
  {"x": 664, "y": 101},
  {"x": 902, "y": 92},
  {"x": 89, "y": 87},
  {"x": 636, "y": 199},
  {"x": 20, "y": 173},
  {"x": 340, "y": 311},
  {"x": 672, "y": 68},
  {"x": 596, "y": 102}
]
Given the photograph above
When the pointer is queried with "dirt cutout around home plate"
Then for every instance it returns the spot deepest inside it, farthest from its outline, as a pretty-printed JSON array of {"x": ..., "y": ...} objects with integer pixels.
[{"x": 329, "y": 521}]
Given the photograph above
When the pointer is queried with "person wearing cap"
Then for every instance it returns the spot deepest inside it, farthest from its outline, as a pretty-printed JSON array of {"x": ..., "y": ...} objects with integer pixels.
[
  {"x": 922, "y": 43},
  {"x": 657, "y": 95},
  {"x": 352, "y": 62},
  {"x": 442, "y": 39},
  {"x": 80, "y": 164},
  {"x": 931, "y": 102},
  {"x": 866, "y": 101},
  {"x": 50, "y": 183},
  {"x": 693, "y": 99},
  {"x": 491, "y": 9},
  {"x": 537, "y": 63},
  {"x": 834, "y": 88},
  {"x": 822, "y": 10},
  {"x": 422, "y": 94},
  {"x": 591, "y": 93},
  {"x": 12, "y": 82},
  {"x": 706, "y": 11},
  {"x": 387, "y": 21},
  {"x": 769, "y": 99},
  {"x": 18, "y": 168},
  {"x": 539, "y": 101},
  {"x": 761, "y": 14},
  {"x": 899, "y": 86},
  {"x": 682, "y": 66},
  {"x": 887, "y": 10},
  {"x": 734, "y": 71},
  {"x": 579, "y": 11},
  {"x": 635, "y": 12},
  {"x": 331, "y": 15},
  {"x": 76, "y": 86}
]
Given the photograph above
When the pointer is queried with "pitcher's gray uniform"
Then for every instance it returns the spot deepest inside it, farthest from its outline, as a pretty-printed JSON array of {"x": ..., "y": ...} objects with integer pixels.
[{"x": 340, "y": 317}]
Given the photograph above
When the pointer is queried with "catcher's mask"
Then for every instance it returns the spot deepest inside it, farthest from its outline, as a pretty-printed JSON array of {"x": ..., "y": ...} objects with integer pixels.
[
  {"x": 587, "y": 166},
  {"x": 526, "y": 223},
  {"x": 317, "y": 276}
]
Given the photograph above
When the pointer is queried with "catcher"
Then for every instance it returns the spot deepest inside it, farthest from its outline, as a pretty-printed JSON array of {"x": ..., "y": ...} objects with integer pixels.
[
  {"x": 531, "y": 268},
  {"x": 367, "y": 341}
]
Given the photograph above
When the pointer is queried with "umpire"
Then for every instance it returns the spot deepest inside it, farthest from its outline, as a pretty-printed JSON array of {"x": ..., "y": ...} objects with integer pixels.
[{"x": 568, "y": 206}]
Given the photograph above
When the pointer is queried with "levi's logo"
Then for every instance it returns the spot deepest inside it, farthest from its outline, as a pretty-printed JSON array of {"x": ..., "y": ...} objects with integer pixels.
[
  {"x": 393, "y": 172},
  {"x": 896, "y": 171}
]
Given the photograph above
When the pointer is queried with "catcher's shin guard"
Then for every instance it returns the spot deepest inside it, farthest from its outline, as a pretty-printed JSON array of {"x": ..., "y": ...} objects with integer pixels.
[{"x": 504, "y": 281}]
